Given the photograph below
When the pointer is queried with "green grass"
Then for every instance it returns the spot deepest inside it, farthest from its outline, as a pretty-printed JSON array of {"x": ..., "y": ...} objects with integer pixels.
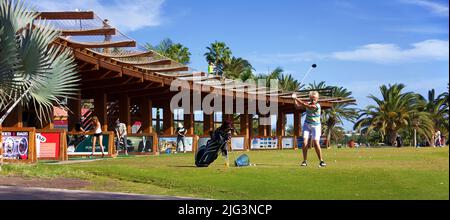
[{"x": 386, "y": 173}]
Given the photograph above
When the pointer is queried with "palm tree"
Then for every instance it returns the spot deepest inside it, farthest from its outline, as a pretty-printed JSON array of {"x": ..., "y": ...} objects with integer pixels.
[
  {"x": 435, "y": 106},
  {"x": 174, "y": 51},
  {"x": 218, "y": 54},
  {"x": 274, "y": 75},
  {"x": 319, "y": 86},
  {"x": 238, "y": 68},
  {"x": 32, "y": 73},
  {"x": 333, "y": 118},
  {"x": 288, "y": 83},
  {"x": 445, "y": 107},
  {"x": 394, "y": 112}
]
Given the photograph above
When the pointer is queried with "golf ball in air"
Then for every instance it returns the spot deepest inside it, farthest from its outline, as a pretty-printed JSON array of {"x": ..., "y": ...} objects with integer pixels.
[{"x": 294, "y": 96}]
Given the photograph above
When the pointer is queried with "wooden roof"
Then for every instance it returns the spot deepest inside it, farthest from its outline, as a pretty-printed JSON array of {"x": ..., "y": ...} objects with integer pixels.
[{"x": 139, "y": 71}]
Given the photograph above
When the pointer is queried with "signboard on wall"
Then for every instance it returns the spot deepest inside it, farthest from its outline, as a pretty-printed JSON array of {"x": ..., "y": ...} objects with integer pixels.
[
  {"x": 16, "y": 145},
  {"x": 238, "y": 143},
  {"x": 138, "y": 144},
  {"x": 287, "y": 143},
  {"x": 82, "y": 145},
  {"x": 169, "y": 144},
  {"x": 264, "y": 143},
  {"x": 48, "y": 145}
]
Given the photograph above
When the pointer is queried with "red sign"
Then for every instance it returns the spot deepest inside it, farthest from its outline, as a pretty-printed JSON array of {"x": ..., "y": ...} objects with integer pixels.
[{"x": 49, "y": 145}]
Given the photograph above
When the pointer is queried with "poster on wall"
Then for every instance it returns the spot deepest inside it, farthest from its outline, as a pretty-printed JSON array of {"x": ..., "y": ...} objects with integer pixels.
[
  {"x": 15, "y": 145},
  {"x": 287, "y": 143},
  {"x": 137, "y": 144},
  {"x": 168, "y": 145},
  {"x": 264, "y": 143},
  {"x": 82, "y": 145},
  {"x": 238, "y": 143},
  {"x": 47, "y": 145}
]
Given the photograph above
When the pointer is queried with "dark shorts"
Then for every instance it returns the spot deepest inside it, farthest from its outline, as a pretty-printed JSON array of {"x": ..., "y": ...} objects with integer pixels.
[{"x": 98, "y": 135}]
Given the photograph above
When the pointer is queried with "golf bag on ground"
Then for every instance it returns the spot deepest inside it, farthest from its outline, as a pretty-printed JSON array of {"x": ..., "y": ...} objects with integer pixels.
[{"x": 208, "y": 153}]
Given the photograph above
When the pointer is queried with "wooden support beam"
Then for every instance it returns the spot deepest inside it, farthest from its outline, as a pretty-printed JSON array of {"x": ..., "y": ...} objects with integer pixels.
[
  {"x": 100, "y": 109},
  {"x": 130, "y": 55},
  {"x": 124, "y": 111},
  {"x": 107, "y": 75},
  {"x": 149, "y": 63},
  {"x": 280, "y": 123},
  {"x": 147, "y": 115},
  {"x": 168, "y": 121},
  {"x": 169, "y": 69},
  {"x": 297, "y": 124},
  {"x": 208, "y": 124},
  {"x": 127, "y": 43},
  {"x": 89, "y": 32},
  {"x": 110, "y": 83},
  {"x": 74, "y": 113},
  {"x": 67, "y": 15}
]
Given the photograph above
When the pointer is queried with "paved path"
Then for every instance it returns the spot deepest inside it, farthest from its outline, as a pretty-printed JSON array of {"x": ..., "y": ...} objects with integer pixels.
[{"x": 25, "y": 193}]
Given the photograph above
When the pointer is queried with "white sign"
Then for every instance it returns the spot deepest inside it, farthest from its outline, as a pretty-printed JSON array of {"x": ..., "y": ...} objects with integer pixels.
[
  {"x": 238, "y": 143},
  {"x": 264, "y": 143},
  {"x": 287, "y": 143}
]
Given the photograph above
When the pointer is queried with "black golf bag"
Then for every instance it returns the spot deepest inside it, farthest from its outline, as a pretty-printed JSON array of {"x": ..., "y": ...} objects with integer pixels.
[{"x": 208, "y": 153}]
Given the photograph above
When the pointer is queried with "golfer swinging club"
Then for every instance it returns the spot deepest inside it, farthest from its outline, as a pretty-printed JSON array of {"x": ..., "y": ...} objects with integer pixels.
[{"x": 312, "y": 126}]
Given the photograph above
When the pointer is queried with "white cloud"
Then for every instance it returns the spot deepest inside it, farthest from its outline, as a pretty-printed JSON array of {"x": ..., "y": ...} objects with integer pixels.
[
  {"x": 434, "y": 7},
  {"x": 391, "y": 53},
  {"x": 429, "y": 50},
  {"x": 127, "y": 16},
  {"x": 285, "y": 58}
]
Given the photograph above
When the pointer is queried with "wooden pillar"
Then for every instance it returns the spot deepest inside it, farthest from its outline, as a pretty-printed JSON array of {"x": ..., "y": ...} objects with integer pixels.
[
  {"x": 100, "y": 109},
  {"x": 147, "y": 115},
  {"x": 14, "y": 119},
  {"x": 74, "y": 113},
  {"x": 269, "y": 127},
  {"x": 297, "y": 124},
  {"x": 208, "y": 124},
  {"x": 262, "y": 129},
  {"x": 125, "y": 111},
  {"x": 168, "y": 121},
  {"x": 245, "y": 128},
  {"x": 250, "y": 126},
  {"x": 189, "y": 122},
  {"x": 158, "y": 120},
  {"x": 280, "y": 124}
]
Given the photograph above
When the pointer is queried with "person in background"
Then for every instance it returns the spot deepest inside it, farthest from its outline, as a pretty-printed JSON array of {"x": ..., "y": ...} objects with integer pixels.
[
  {"x": 181, "y": 134},
  {"x": 77, "y": 138},
  {"x": 121, "y": 134},
  {"x": 211, "y": 68},
  {"x": 97, "y": 128},
  {"x": 312, "y": 126},
  {"x": 438, "y": 136},
  {"x": 399, "y": 141}
]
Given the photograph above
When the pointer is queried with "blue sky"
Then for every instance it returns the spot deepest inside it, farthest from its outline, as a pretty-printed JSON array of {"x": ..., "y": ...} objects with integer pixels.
[{"x": 357, "y": 44}]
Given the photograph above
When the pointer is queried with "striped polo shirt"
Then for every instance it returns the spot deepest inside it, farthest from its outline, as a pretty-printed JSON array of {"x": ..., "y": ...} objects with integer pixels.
[{"x": 313, "y": 116}]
